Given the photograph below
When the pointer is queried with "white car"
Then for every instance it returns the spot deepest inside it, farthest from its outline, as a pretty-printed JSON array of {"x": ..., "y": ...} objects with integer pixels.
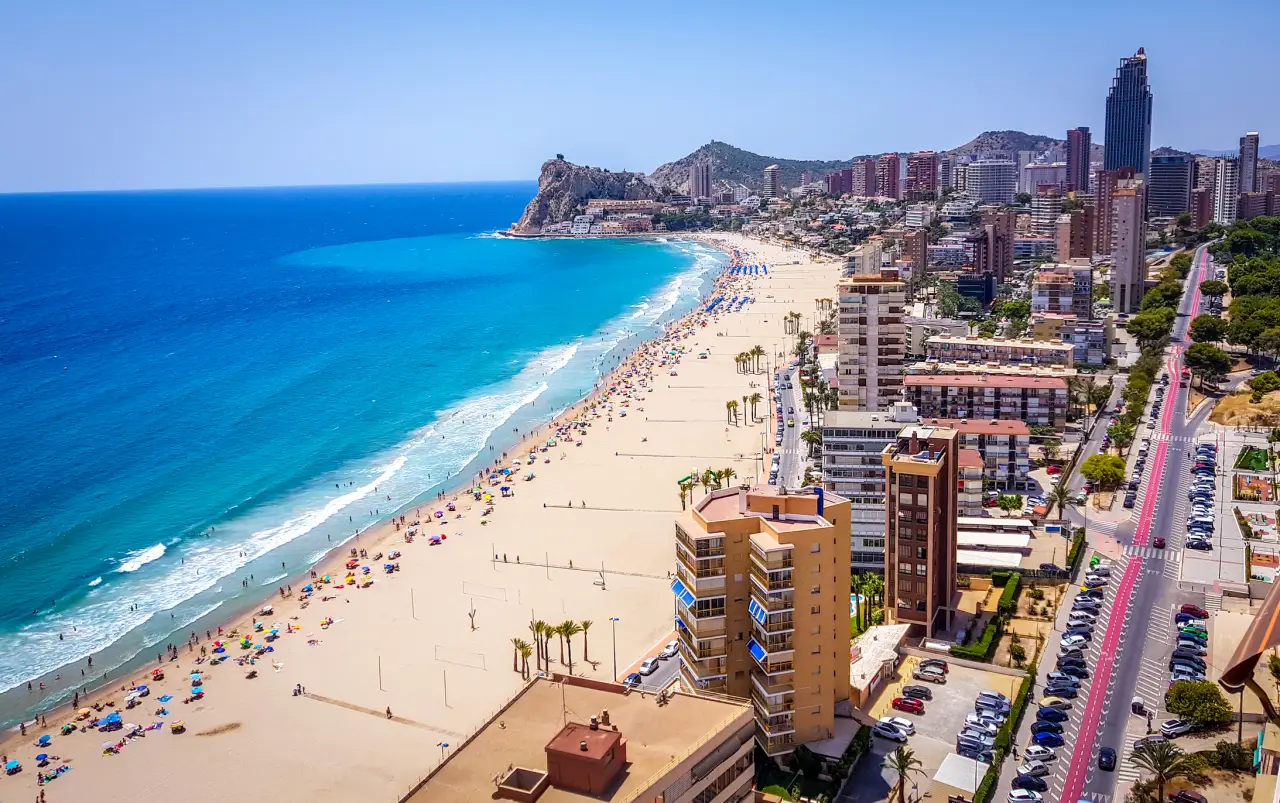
[
  {"x": 1175, "y": 727},
  {"x": 985, "y": 726},
  {"x": 670, "y": 650},
  {"x": 649, "y": 666},
  {"x": 888, "y": 732},
  {"x": 1038, "y": 752},
  {"x": 1034, "y": 768},
  {"x": 1025, "y": 796},
  {"x": 1074, "y": 641},
  {"x": 904, "y": 725}
]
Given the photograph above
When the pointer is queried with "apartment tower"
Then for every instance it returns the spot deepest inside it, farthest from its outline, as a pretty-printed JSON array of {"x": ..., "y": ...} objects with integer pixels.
[
  {"x": 864, "y": 178},
  {"x": 1079, "y": 142},
  {"x": 1226, "y": 190},
  {"x": 1128, "y": 137},
  {"x": 922, "y": 176},
  {"x": 1249, "y": 163},
  {"x": 888, "y": 170},
  {"x": 771, "y": 187},
  {"x": 873, "y": 340},
  {"x": 1128, "y": 256},
  {"x": 921, "y": 479},
  {"x": 992, "y": 181},
  {"x": 1169, "y": 186},
  {"x": 762, "y": 606},
  {"x": 700, "y": 181}
]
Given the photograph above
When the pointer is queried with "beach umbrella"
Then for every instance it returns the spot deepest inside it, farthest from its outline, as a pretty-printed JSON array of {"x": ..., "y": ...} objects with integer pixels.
[
  {"x": 166, "y": 698},
  {"x": 108, "y": 745},
  {"x": 12, "y": 765},
  {"x": 142, "y": 689},
  {"x": 307, "y": 587},
  {"x": 42, "y": 757},
  {"x": 85, "y": 712},
  {"x": 112, "y": 718}
]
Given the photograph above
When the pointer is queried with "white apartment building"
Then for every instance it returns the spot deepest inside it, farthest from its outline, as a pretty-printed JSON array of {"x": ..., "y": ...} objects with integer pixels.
[
  {"x": 1129, "y": 247},
  {"x": 992, "y": 181},
  {"x": 918, "y": 216},
  {"x": 1045, "y": 211},
  {"x": 1226, "y": 190},
  {"x": 872, "y": 341},
  {"x": 865, "y": 259}
]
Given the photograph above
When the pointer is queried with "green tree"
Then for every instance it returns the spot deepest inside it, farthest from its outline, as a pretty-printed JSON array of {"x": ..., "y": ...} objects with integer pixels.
[
  {"x": 1207, "y": 360},
  {"x": 1268, "y": 342},
  {"x": 1199, "y": 701},
  {"x": 813, "y": 438},
  {"x": 1208, "y": 329},
  {"x": 1151, "y": 327},
  {"x": 1122, "y": 434},
  {"x": 1010, "y": 502},
  {"x": 1164, "y": 761},
  {"x": 1164, "y": 294},
  {"x": 1104, "y": 470},
  {"x": 1212, "y": 288},
  {"x": 903, "y": 763},
  {"x": 1264, "y": 382},
  {"x": 1022, "y": 198},
  {"x": 1099, "y": 395},
  {"x": 1181, "y": 264}
]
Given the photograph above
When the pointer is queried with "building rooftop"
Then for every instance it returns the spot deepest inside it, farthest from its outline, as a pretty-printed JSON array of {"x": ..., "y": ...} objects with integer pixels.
[
  {"x": 970, "y": 458},
  {"x": 867, "y": 419},
  {"x": 799, "y": 509},
  {"x": 988, "y": 380},
  {"x": 991, "y": 342},
  {"x": 999, "y": 541},
  {"x": 658, "y": 738},
  {"x": 982, "y": 426},
  {"x": 995, "y": 560},
  {"x": 936, "y": 366}
]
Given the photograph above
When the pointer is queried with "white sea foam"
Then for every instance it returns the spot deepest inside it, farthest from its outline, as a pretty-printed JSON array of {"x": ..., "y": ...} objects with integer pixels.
[
  {"x": 95, "y": 581},
  {"x": 142, "y": 557}
]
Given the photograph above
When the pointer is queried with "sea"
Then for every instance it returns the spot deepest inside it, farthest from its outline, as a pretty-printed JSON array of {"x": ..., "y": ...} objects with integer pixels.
[{"x": 199, "y": 387}]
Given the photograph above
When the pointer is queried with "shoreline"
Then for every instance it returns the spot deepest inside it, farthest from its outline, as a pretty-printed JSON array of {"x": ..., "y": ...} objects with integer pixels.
[{"x": 386, "y": 534}]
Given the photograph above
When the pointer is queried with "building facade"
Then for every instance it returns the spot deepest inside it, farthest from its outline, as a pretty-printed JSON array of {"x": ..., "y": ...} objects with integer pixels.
[
  {"x": 1003, "y": 448},
  {"x": 1127, "y": 142},
  {"x": 762, "y": 606},
  {"x": 921, "y": 515},
  {"x": 997, "y": 349},
  {"x": 1045, "y": 211},
  {"x": 1075, "y": 234},
  {"x": 772, "y": 189},
  {"x": 864, "y": 178},
  {"x": 1079, "y": 142},
  {"x": 1106, "y": 183},
  {"x": 1037, "y": 401},
  {"x": 1226, "y": 189},
  {"x": 915, "y": 245},
  {"x": 922, "y": 176},
  {"x": 1249, "y": 163},
  {"x": 1169, "y": 186},
  {"x": 872, "y": 341},
  {"x": 1129, "y": 251},
  {"x": 1201, "y": 207},
  {"x": 700, "y": 181},
  {"x": 888, "y": 169},
  {"x": 991, "y": 181}
]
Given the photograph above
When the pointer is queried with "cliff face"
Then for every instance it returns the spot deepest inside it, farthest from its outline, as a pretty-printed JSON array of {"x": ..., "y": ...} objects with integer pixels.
[{"x": 563, "y": 189}]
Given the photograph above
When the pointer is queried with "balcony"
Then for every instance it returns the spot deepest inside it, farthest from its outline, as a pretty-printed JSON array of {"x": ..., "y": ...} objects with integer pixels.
[
  {"x": 774, "y": 745},
  {"x": 697, "y": 684},
  {"x": 774, "y": 660},
  {"x": 766, "y": 707},
  {"x": 708, "y": 582},
  {"x": 779, "y": 580},
  {"x": 705, "y": 668}
]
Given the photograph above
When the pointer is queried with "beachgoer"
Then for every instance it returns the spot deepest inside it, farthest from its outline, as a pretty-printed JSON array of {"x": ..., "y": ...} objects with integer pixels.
[{"x": 388, "y": 712}]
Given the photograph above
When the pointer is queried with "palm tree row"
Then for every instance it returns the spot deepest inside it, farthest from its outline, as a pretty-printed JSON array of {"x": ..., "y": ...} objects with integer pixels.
[
  {"x": 543, "y": 633},
  {"x": 750, "y": 359},
  {"x": 791, "y": 323},
  {"x": 710, "y": 480},
  {"x": 869, "y": 586}
]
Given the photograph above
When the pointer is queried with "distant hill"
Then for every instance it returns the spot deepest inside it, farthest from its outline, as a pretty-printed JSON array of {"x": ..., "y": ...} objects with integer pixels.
[
  {"x": 730, "y": 165},
  {"x": 1006, "y": 144},
  {"x": 1264, "y": 152},
  {"x": 564, "y": 188}
]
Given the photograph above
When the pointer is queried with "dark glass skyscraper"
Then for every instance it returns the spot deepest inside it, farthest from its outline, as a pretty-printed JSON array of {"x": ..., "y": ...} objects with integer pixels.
[{"x": 1128, "y": 138}]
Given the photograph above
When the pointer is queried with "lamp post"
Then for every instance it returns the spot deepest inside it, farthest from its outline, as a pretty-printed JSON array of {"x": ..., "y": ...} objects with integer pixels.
[{"x": 613, "y": 623}]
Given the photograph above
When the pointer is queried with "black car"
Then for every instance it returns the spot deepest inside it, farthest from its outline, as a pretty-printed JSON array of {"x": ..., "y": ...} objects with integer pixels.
[
  {"x": 917, "y": 692},
  {"x": 1065, "y": 692},
  {"x": 1129, "y": 500},
  {"x": 1030, "y": 782},
  {"x": 985, "y": 756},
  {"x": 1071, "y": 661},
  {"x": 1046, "y": 727},
  {"x": 1106, "y": 759},
  {"x": 1074, "y": 670},
  {"x": 1050, "y": 567}
]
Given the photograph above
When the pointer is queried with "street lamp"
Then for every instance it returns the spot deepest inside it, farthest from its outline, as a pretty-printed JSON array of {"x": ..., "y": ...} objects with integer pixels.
[
  {"x": 613, "y": 623},
  {"x": 443, "y": 747}
]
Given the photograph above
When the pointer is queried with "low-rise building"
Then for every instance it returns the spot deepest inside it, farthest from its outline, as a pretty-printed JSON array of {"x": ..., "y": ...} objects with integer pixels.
[
  {"x": 1037, "y": 401},
  {"x": 1035, "y": 247},
  {"x": 920, "y": 329},
  {"x": 568, "y": 739},
  {"x": 995, "y": 368},
  {"x": 1002, "y": 444},
  {"x": 998, "y": 349}
]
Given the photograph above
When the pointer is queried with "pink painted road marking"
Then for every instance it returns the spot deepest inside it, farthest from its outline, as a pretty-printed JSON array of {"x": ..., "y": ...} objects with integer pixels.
[{"x": 1082, "y": 755}]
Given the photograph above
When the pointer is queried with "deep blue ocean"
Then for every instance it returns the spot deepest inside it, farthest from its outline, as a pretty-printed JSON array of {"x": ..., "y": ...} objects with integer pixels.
[{"x": 197, "y": 386}]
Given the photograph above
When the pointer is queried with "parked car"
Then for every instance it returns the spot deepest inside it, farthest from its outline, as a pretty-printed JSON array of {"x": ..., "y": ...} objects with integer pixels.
[
  {"x": 1030, "y": 782},
  {"x": 902, "y": 724},
  {"x": 1055, "y": 702},
  {"x": 917, "y": 692},
  {"x": 930, "y": 675},
  {"x": 1025, "y": 796},
  {"x": 978, "y": 737},
  {"x": 1195, "y": 610},
  {"x": 1175, "y": 727},
  {"x": 909, "y": 704},
  {"x": 1052, "y": 715},
  {"x": 670, "y": 650},
  {"x": 888, "y": 732},
  {"x": 649, "y": 666},
  {"x": 1064, "y": 691},
  {"x": 984, "y": 756},
  {"x": 1048, "y": 739},
  {"x": 1045, "y": 726},
  {"x": 1036, "y": 752},
  {"x": 1188, "y": 796},
  {"x": 1035, "y": 768},
  {"x": 937, "y": 663},
  {"x": 1061, "y": 679},
  {"x": 633, "y": 680}
]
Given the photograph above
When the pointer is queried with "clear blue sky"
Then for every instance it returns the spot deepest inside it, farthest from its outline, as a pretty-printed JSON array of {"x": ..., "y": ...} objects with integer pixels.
[{"x": 136, "y": 93}]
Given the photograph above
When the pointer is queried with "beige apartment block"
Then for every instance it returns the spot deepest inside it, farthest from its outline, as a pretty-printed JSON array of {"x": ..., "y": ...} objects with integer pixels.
[{"x": 873, "y": 342}]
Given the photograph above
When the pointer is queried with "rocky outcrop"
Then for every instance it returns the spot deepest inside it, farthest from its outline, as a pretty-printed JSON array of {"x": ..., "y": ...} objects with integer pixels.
[
  {"x": 730, "y": 166},
  {"x": 564, "y": 188}
]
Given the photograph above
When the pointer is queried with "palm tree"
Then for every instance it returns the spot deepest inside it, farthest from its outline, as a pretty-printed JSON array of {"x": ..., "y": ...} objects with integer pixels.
[
  {"x": 728, "y": 407},
  {"x": 684, "y": 497},
  {"x": 903, "y": 762},
  {"x": 515, "y": 655},
  {"x": 726, "y": 475},
  {"x": 875, "y": 594},
  {"x": 754, "y": 399},
  {"x": 585, "y": 624},
  {"x": 539, "y": 628},
  {"x": 526, "y": 649},
  {"x": 1058, "y": 496},
  {"x": 569, "y": 629},
  {"x": 559, "y": 631},
  {"x": 813, "y": 438},
  {"x": 757, "y": 351},
  {"x": 1164, "y": 760},
  {"x": 704, "y": 480},
  {"x": 745, "y": 401},
  {"x": 686, "y": 490}
]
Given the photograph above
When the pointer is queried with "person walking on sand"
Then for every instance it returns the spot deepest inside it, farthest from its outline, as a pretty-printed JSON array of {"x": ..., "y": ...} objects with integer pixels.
[{"x": 388, "y": 712}]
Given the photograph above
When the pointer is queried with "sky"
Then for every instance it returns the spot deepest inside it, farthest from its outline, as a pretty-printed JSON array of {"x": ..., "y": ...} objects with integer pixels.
[{"x": 143, "y": 94}]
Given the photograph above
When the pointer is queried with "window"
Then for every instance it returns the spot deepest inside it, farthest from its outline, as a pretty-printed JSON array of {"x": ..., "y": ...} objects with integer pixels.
[
  {"x": 904, "y": 568},
  {"x": 920, "y": 605},
  {"x": 817, "y": 630},
  {"x": 906, "y": 481},
  {"x": 904, "y": 604},
  {"x": 817, "y": 650},
  {"x": 815, "y": 547},
  {"x": 817, "y": 709},
  {"x": 905, "y": 498},
  {"x": 922, "y": 553},
  {"x": 922, "y": 569},
  {"x": 817, "y": 670},
  {"x": 816, "y": 609},
  {"x": 816, "y": 590}
]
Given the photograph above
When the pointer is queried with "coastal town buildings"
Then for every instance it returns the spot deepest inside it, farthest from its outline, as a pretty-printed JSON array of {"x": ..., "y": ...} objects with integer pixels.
[
  {"x": 1046, "y": 208},
  {"x": 1128, "y": 254},
  {"x": 762, "y": 590},
  {"x": 991, "y": 244},
  {"x": 872, "y": 340},
  {"x": 1035, "y": 400},
  {"x": 864, "y": 178},
  {"x": 1106, "y": 182},
  {"x": 915, "y": 246},
  {"x": 1002, "y": 447},
  {"x": 772, "y": 189},
  {"x": 991, "y": 181},
  {"x": 1078, "y": 144},
  {"x": 946, "y": 168},
  {"x": 1127, "y": 141},
  {"x": 922, "y": 176},
  {"x": 700, "y": 180},
  {"x": 888, "y": 168},
  {"x": 1075, "y": 235},
  {"x": 1201, "y": 207},
  {"x": 997, "y": 349},
  {"x": 1065, "y": 287},
  {"x": 565, "y": 738},
  {"x": 1039, "y": 176},
  {"x": 922, "y": 478}
]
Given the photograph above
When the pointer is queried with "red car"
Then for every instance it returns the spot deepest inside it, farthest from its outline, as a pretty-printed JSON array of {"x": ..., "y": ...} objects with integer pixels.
[
  {"x": 1053, "y": 469},
  {"x": 1158, "y": 543},
  {"x": 1196, "y": 611},
  {"x": 908, "y": 704}
]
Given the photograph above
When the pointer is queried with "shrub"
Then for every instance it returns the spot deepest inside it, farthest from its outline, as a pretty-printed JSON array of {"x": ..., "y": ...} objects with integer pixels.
[
  {"x": 1008, "y": 604},
  {"x": 1232, "y": 756},
  {"x": 985, "y": 646},
  {"x": 1037, "y": 593},
  {"x": 1076, "y": 550},
  {"x": 1000, "y": 577}
]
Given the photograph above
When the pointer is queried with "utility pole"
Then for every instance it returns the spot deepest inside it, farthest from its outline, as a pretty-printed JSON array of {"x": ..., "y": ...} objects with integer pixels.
[{"x": 614, "y": 624}]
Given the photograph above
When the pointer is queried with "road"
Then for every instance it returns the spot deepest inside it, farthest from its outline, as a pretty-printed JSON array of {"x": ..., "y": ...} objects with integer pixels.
[
  {"x": 792, "y": 451},
  {"x": 1130, "y": 656}
]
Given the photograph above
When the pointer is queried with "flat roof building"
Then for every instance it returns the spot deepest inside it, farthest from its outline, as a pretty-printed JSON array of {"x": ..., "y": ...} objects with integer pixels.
[
  {"x": 1034, "y": 400},
  {"x": 998, "y": 349},
  {"x": 616, "y": 745}
]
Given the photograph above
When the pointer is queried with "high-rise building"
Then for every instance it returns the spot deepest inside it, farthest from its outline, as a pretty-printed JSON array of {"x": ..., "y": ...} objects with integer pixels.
[
  {"x": 1249, "y": 163},
  {"x": 922, "y": 176},
  {"x": 1045, "y": 211},
  {"x": 1039, "y": 176},
  {"x": 873, "y": 341},
  {"x": 991, "y": 181},
  {"x": 1075, "y": 234},
  {"x": 864, "y": 178},
  {"x": 1226, "y": 189},
  {"x": 772, "y": 189},
  {"x": 1203, "y": 174},
  {"x": 991, "y": 244},
  {"x": 1169, "y": 186},
  {"x": 1128, "y": 256},
  {"x": 960, "y": 177},
  {"x": 946, "y": 167},
  {"x": 888, "y": 168},
  {"x": 916, "y": 248},
  {"x": 1201, "y": 207},
  {"x": 922, "y": 478},
  {"x": 1079, "y": 142},
  {"x": 700, "y": 181},
  {"x": 1128, "y": 138},
  {"x": 762, "y": 606},
  {"x": 865, "y": 259},
  {"x": 1255, "y": 204},
  {"x": 1106, "y": 183}
]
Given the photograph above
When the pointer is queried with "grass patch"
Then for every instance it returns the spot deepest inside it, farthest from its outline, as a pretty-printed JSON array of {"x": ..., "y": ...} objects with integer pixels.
[{"x": 1253, "y": 458}]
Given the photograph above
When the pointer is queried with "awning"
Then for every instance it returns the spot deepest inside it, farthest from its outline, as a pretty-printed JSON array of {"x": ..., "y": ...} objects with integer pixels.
[
  {"x": 757, "y": 611},
  {"x": 757, "y": 652},
  {"x": 683, "y": 594}
]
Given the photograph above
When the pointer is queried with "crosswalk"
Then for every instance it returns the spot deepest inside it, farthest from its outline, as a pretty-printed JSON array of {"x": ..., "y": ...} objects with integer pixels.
[
  {"x": 1212, "y": 602},
  {"x": 1172, "y": 555}
]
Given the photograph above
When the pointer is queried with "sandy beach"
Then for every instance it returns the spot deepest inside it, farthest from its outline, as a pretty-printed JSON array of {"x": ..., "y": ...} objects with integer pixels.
[{"x": 432, "y": 641}]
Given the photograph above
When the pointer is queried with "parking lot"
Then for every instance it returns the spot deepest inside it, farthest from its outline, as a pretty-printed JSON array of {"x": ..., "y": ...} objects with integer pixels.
[
  {"x": 1225, "y": 562},
  {"x": 936, "y": 728}
]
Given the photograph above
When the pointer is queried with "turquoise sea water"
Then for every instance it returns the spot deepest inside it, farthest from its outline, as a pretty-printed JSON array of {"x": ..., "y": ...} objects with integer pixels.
[{"x": 199, "y": 386}]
